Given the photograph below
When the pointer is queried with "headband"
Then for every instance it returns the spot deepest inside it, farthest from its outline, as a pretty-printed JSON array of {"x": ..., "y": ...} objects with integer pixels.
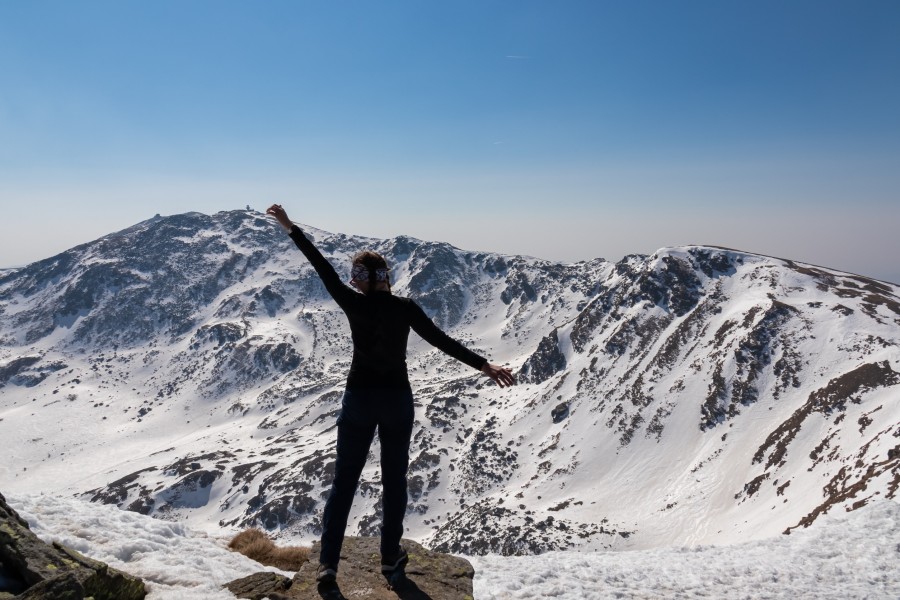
[{"x": 360, "y": 272}]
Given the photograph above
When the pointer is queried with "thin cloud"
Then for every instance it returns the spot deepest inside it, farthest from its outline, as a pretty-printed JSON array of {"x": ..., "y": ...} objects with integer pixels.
[{"x": 516, "y": 57}]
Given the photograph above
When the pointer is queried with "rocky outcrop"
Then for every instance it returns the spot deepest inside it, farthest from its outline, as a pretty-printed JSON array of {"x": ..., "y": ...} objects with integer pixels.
[
  {"x": 260, "y": 585},
  {"x": 428, "y": 575},
  {"x": 547, "y": 360},
  {"x": 34, "y": 569}
]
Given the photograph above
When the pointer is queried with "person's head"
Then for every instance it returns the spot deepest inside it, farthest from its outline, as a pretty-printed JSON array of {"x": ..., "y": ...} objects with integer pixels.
[{"x": 369, "y": 271}]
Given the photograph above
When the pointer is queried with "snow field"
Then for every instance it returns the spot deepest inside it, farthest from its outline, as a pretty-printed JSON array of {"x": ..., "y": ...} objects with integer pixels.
[
  {"x": 174, "y": 561},
  {"x": 855, "y": 556},
  {"x": 849, "y": 556}
]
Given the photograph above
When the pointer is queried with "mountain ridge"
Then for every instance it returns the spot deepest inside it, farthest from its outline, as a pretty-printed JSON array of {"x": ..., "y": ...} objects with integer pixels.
[{"x": 672, "y": 398}]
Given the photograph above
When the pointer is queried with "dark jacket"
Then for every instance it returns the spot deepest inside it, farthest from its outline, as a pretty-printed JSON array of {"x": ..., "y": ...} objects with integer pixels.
[{"x": 380, "y": 324}]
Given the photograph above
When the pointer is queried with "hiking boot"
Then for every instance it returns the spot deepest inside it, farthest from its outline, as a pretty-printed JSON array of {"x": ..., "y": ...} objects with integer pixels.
[
  {"x": 326, "y": 573},
  {"x": 394, "y": 562}
]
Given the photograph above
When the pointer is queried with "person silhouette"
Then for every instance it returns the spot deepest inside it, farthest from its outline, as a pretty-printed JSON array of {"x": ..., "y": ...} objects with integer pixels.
[{"x": 378, "y": 396}]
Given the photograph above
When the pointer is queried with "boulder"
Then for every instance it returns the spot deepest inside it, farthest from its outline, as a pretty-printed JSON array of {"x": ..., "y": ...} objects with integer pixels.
[
  {"x": 34, "y": 569},
  {"x": 428, "y": 576},
  {"x": 259, "y": 585}
]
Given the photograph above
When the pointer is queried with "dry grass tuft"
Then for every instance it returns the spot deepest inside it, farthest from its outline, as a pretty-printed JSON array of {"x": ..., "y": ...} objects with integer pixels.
[
  {"x": 245, "y": 538},
  {"x": 255, "y": 544}
]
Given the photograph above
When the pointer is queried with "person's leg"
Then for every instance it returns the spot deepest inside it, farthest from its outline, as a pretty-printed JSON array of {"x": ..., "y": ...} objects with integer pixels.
[
  {"x": 394, "y": 433},
  {"x": 353, "y": 440}
]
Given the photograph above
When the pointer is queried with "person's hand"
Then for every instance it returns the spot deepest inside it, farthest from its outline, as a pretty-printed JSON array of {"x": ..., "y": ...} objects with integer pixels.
[
  {"x": 280, "y": 215},
  {"x": 501, "y": 375}
]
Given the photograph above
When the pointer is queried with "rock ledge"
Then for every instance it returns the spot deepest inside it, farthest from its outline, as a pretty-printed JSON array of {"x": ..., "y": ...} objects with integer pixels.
[{"x": 429, "y": 575}]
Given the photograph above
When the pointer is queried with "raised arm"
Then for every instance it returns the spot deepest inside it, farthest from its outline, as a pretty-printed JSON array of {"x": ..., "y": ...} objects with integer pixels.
[
  {"x": 341, "y": 292},
  {"x": 433, "y": 334}
]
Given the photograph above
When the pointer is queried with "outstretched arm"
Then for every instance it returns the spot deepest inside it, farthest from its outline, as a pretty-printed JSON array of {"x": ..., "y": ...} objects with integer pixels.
[
  {"x": 433, "y": 334},
  {"x": 340, "y": 292}
]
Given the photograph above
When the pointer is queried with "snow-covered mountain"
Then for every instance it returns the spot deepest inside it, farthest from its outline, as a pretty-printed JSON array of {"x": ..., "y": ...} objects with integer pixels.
[{"x": 191, "y": 367}]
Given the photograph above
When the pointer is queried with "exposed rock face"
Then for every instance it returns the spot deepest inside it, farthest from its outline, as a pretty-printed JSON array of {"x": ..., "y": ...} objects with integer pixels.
[
  {"x": 35, "y": 569},
  {"x": 428, "y": 575},
  {"x": 546, "y": 361}
]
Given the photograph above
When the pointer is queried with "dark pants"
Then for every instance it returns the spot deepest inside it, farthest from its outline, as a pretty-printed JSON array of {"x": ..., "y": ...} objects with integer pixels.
[{"x": 362, "y": 411}]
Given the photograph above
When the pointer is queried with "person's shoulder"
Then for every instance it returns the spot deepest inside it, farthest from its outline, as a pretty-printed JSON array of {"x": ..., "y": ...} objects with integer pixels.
[{"x": 404, "y": 301}]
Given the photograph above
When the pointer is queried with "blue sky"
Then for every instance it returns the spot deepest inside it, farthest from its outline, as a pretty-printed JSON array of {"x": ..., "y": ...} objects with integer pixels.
[{"x": 564, "y": 130}]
